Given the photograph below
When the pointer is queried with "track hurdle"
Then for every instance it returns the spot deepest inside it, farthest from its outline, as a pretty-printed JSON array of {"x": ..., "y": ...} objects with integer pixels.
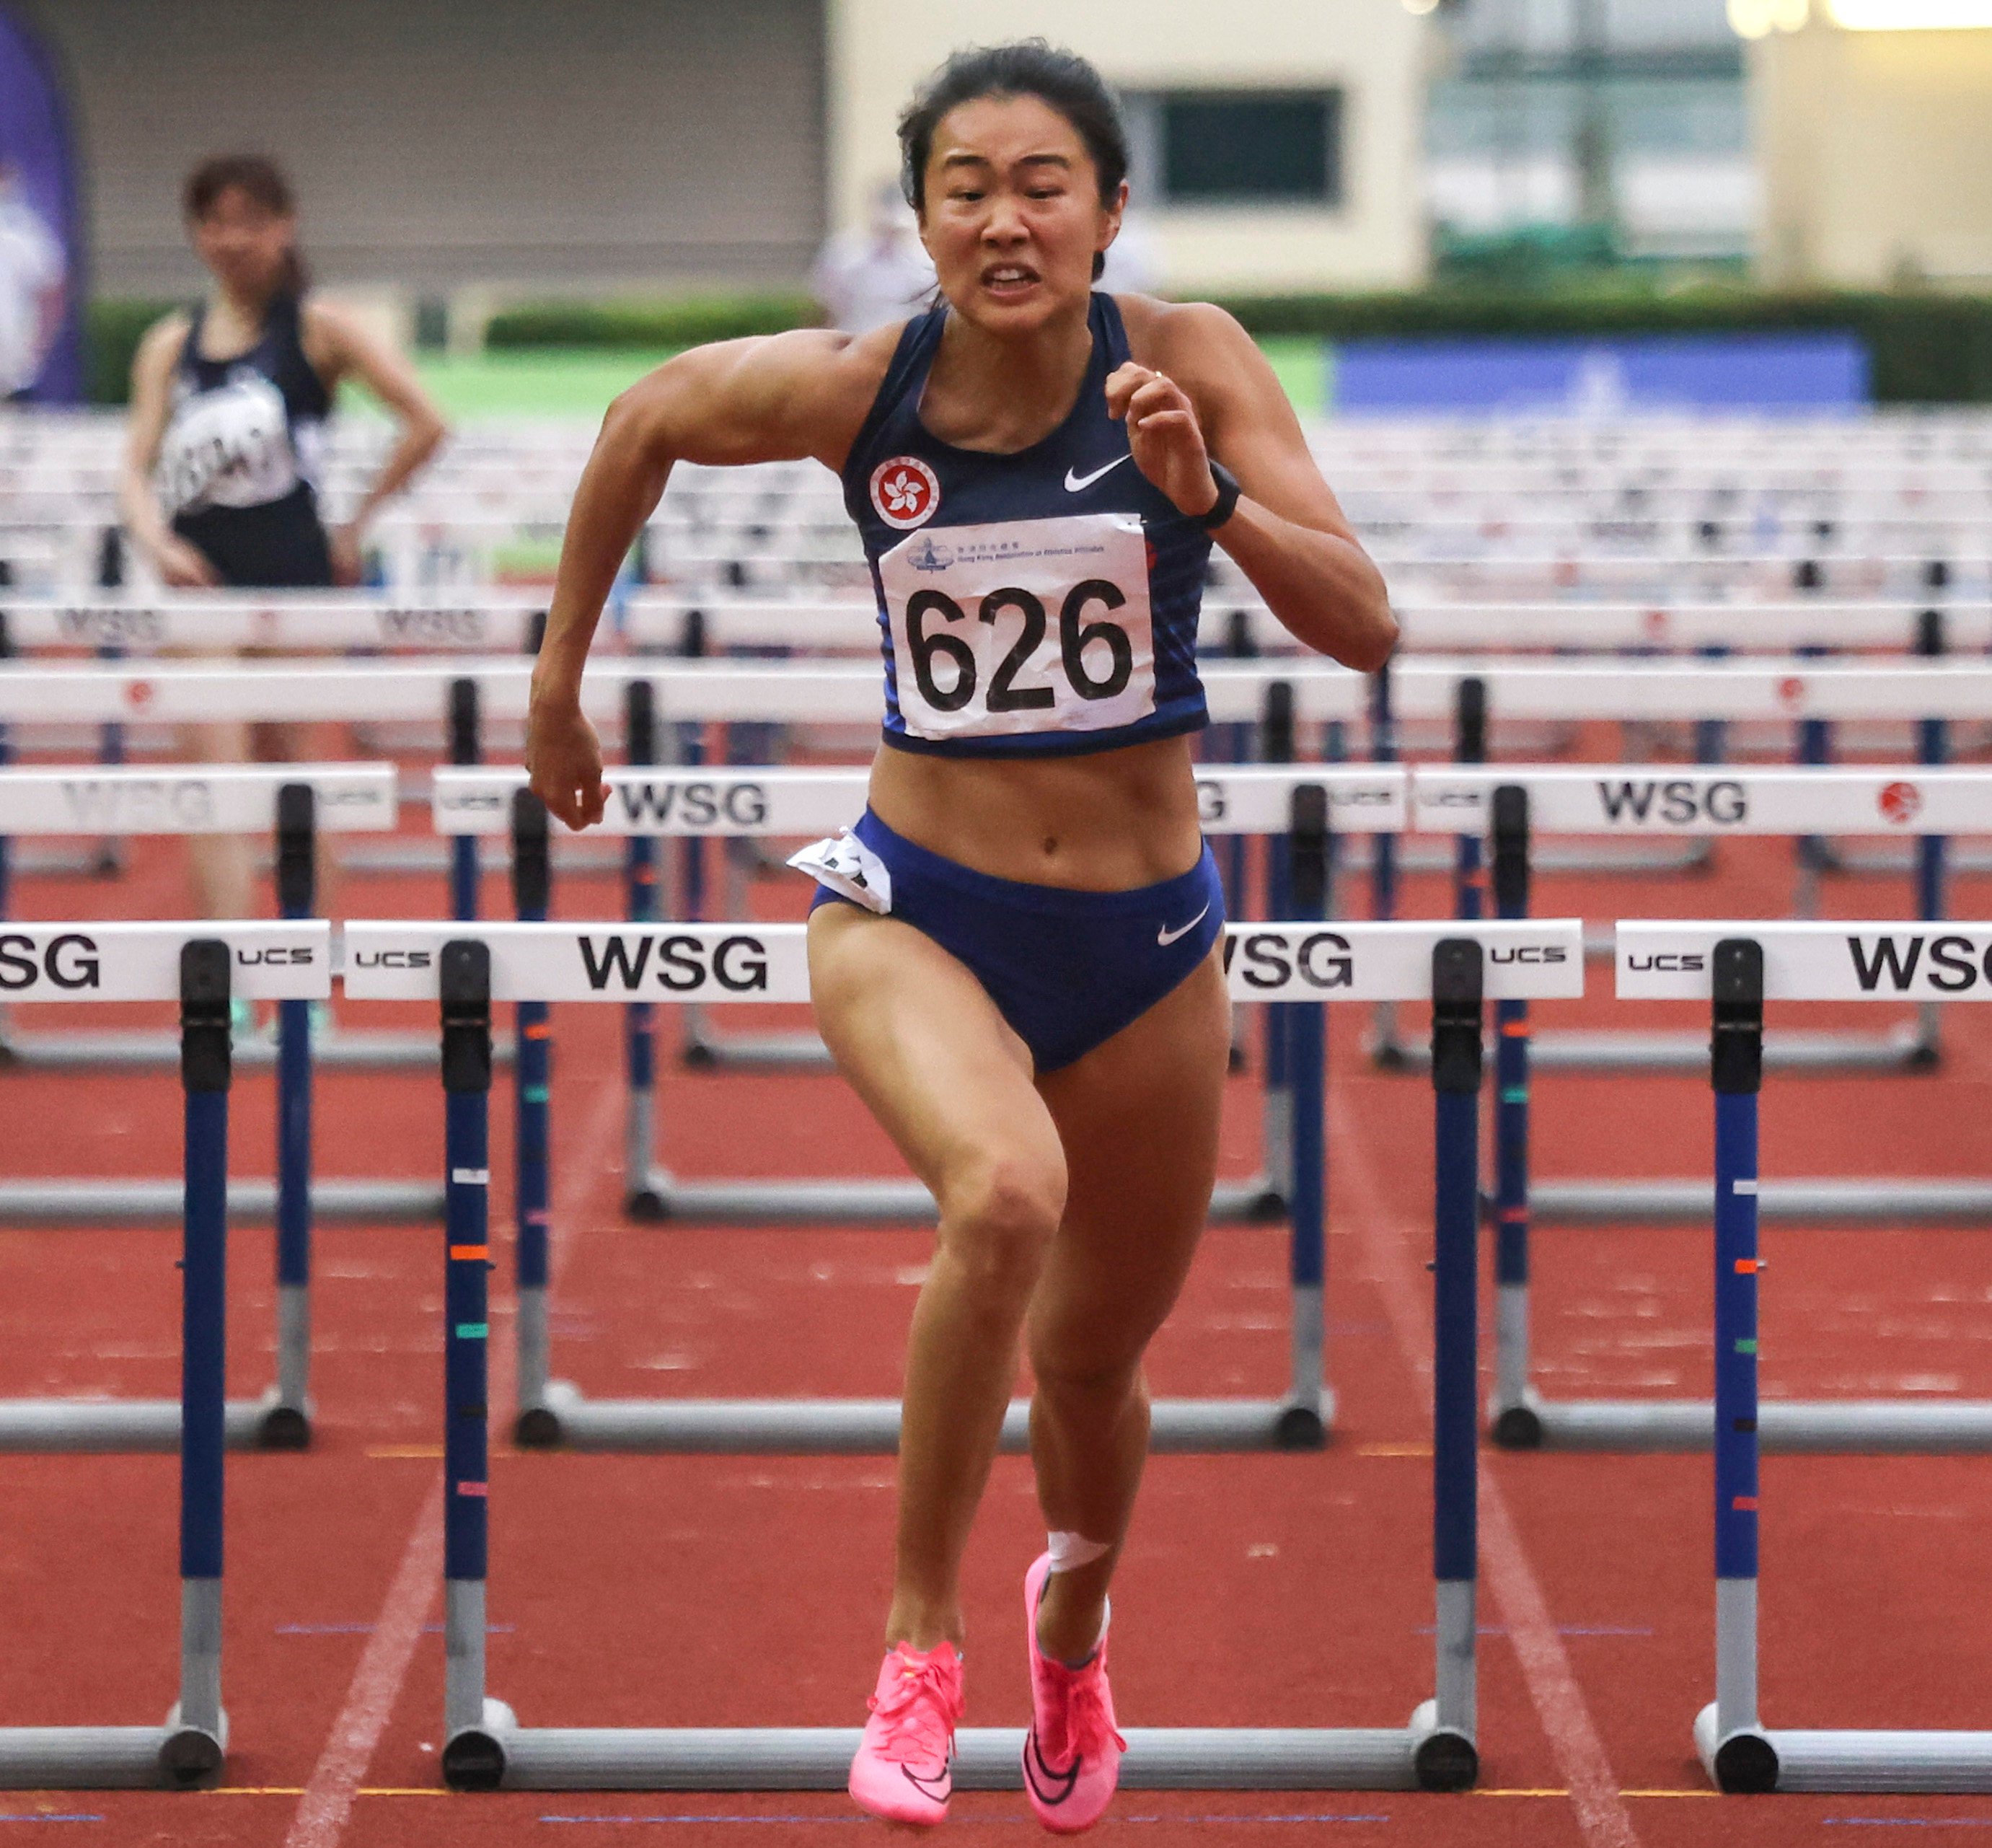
[
  {"x": 753, "y": 802},
  {"x": 486, "y": 1749},
  {"x": 1512, "y": 799},
  {"x": 294, "y": 802},
  {"x": 200, "y": 965},
  {"x": 1735, "y": 968},
  {"x": 42, "y": 962}
]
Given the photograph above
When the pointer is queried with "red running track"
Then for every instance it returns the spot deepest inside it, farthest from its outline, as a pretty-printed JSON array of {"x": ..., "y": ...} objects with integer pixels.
[{"x": 1273, "y": 1591}]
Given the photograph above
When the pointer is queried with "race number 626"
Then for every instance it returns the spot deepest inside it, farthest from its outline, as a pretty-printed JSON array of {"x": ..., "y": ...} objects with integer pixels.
[{"x": 929, "y": 644}]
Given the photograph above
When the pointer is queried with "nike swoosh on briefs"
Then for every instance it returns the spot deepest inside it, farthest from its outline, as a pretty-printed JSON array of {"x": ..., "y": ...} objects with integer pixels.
[
  {"x": 1165, "y": 936},
  {"x": 1074, "y": 483}
]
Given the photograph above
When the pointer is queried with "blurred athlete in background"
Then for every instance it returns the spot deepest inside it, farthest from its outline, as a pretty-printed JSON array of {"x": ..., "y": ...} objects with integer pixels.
[{"x": 229, "y": 405}]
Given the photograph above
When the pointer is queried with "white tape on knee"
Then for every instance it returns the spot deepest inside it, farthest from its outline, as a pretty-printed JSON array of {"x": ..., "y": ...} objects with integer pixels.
[{"x": 1070, "y": 1551}]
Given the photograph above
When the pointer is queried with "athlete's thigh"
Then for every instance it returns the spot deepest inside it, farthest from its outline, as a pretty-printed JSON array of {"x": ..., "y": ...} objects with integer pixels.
[
  {"x": 1138, "y": 1117},
  {"x": 920, "y": 1041}
]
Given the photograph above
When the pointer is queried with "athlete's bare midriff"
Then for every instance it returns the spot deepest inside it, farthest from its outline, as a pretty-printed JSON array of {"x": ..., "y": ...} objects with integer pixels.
[{"x": 1104, "y": 821}]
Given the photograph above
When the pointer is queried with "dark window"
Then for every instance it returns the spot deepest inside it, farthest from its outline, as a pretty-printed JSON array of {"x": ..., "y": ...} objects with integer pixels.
[{"x": 1252, "y": 146}]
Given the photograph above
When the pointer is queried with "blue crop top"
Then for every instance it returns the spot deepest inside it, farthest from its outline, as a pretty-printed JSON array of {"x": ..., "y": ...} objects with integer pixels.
[{"x": 1041, "y": 603}]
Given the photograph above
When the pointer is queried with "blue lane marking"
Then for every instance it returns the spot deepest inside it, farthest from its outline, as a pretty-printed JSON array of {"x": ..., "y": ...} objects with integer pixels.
[
  {"x": 1232, "y": 1817},
  {"x": 13, "y": 1816},
  {"x": 367, "y": 1629},
  {"x": 1910, "y": 1821}
]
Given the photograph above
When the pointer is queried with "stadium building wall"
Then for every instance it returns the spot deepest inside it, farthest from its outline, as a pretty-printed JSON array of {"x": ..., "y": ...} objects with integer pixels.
[
  {"x": 1877, "y": 155},
  {"x": 589, "y": 146},
  {"x": 1371, "y": 53}
]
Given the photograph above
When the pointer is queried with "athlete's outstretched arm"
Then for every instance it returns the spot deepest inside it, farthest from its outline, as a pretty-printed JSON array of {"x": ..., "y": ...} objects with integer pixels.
[
  {"x": 1215, "y": 395},
  {"x": 773, "y": 399}
]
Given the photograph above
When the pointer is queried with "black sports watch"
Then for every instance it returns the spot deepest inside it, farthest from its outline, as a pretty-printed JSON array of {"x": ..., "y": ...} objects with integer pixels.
[{"x": 1227, "y": 503}]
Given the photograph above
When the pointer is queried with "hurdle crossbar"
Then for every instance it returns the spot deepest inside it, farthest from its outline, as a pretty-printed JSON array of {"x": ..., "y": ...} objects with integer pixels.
[
  {"x": 480, "y": 620},
  {"x": 649, "y": 804},
  {"x": 486, "y": 1749},
  {"x": 202, "y": 966}
]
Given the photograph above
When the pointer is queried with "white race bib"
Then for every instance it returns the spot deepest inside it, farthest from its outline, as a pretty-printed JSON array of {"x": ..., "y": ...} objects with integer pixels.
[
  {"x": 229, "y": 447},
  {"x": 1022, "y": 626}
]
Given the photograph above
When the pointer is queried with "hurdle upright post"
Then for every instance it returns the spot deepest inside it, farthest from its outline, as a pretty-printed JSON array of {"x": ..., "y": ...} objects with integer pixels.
[
  {"x": 464, "y": 973},
  {"x": 466, "y": 747},
  {"x": 1276, "y": 745},
  {"x": 1457, "y": 976},
  {"x": 1303, "y": 1425},
  {"x": 198, "y": 1726},
  {"x": 286, "y": 1420},
  {"x": 641, "y": 863},
  {"x": 1469, "y": 721},
  {"x": 1815, "y": 747},
  {"x": 1932, "y": 850},
  {"x": 532, "y": 1070},
  {"x": 1742, "y": 1757},
  {"x": 1389, "y": 1054},
  {"x": 1516, "y": 1424}
]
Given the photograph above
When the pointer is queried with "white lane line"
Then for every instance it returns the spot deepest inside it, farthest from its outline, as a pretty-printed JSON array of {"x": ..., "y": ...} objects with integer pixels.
[
  {"x": 327, "y": 1803},
  {"x": 1552, "y": 1686}
]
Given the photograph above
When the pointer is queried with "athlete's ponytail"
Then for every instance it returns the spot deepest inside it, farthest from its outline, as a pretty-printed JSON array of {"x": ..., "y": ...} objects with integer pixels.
[
  {"x": 1063, "y": 79},
  {"x": 265, "y": 184}
]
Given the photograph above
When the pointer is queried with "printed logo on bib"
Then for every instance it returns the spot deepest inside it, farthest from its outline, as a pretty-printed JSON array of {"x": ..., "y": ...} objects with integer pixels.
[
  {"x": 229, "y": 447},
  {"x": 1026, "y": 626},
  {"x": 904, "y": 492}
]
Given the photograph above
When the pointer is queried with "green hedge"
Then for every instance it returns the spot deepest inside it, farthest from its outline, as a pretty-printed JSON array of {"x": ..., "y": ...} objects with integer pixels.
[
  {"x": 1926, "y": 349},
  {"x": 111, "y": 331},
  {"x": 648, "y": 324}
]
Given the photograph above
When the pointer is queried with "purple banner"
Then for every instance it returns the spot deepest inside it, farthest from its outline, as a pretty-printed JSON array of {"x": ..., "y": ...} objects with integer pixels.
[{"x": 41, "y": 280}]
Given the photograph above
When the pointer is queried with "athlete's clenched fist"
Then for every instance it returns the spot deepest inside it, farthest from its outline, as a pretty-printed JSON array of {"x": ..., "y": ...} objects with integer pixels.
[{"x": 1164, "y": 436}]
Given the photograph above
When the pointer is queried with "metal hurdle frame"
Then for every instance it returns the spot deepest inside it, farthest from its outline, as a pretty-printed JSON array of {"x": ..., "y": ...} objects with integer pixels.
[
  {"x": 1914, "y": 1048},
  {"x": 553, "y": 1412},
  {"x": 295, "y": 801},
  {"x": 1735, "y": 968},
  {"x": 1910, "y": 800},
  {"x": 196, "y": 964},
  {"x": 486, "y": 1749},
  {"x": 755, "y": 802}
]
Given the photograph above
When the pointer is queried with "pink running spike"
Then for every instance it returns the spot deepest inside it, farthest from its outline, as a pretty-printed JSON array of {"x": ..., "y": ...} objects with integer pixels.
[
  {"x": 1071, "y": 1753},
  {"x": 904, "y": 1768}
]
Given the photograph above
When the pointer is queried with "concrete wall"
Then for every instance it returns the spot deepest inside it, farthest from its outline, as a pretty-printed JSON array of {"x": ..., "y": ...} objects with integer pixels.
[
  {"x": 569, "y": 148},
  {"x": 1373, "y": 49},
  {"x": 1876, "y": 149}
]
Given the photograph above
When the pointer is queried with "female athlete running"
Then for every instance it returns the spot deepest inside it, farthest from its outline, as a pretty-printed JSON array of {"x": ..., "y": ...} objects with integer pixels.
[
  {"x": 229, "y": 404},
  {"x": 1013, "y": 955}
]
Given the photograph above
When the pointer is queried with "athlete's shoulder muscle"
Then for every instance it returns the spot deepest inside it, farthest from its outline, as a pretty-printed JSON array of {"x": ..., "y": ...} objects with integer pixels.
[{"x": 774, "y": 397}]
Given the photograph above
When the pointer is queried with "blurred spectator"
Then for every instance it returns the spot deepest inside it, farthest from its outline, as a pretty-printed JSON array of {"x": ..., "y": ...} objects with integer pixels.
[
  {"x": 1134, "y": 259},
  {"x": 32, "y": 271},
  {"x": 876, "y": 274}
]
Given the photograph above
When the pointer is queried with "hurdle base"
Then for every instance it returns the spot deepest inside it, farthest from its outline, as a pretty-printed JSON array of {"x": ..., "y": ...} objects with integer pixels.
[
  {"x": 172, "y": 1757},
  {"x": 333, "y": 1051},
  {"x": 1850, "y": 1202},
  {"x": 1520, "y": 1427},
  {"x": 72, "y": 1203},
  {"x": 703, "y": 1051},
  {"x": 665, "y": 1198},
  {"x": 1902, "y": 1049},
  {"x": 566, "y": 1419},
  {"x": 1744, "y": 1762},
  {"x": 500, "y": 1754},
  {"x": 129, "y": 1426},
  {"x": 1846, "y": 1427}
]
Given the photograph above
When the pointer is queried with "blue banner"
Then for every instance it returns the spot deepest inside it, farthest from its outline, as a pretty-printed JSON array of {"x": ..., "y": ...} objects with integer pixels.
[
  {"x": 41, "y": 245},
  {"x": 1795, "y": 372}
]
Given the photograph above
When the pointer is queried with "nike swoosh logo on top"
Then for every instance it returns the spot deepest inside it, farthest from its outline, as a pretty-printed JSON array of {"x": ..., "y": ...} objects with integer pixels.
[
  {"x": 1165, "y": 936},
  {"x": 1074, "y": 483},
  {"x": 939, "y": 1787},
  {"x": 1041, "y": 1775}
]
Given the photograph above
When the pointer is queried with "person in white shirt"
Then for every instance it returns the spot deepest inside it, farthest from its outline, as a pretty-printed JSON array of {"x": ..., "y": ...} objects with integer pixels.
[
  {"x": 878, "y": 274},
  {"x": 32, "y": 272}
]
